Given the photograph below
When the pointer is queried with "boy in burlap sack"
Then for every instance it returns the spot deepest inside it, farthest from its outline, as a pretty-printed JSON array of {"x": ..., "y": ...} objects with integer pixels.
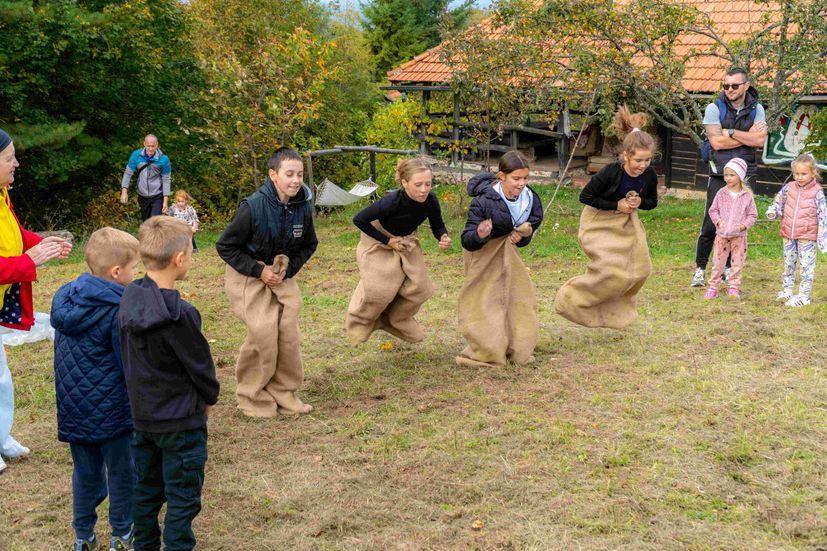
[
  {"x": 267, "y": 242},
  {"x": 394, "y": 280},
  {"x": 612, "y": 235},
  {"x": 497, "y": 303}
]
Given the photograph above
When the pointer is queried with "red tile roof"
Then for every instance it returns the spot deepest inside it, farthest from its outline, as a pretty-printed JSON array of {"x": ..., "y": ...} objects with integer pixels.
[{"x": 730, "y": 20}]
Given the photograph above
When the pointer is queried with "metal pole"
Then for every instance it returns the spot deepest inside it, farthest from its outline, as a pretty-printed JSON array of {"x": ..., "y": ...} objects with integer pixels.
[{"x": 373, "y": 166}]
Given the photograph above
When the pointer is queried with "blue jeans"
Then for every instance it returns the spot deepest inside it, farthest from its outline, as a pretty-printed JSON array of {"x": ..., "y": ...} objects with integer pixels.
[
  {"x": 98, "y": 467},
  {"x": 170, "y": 469}
]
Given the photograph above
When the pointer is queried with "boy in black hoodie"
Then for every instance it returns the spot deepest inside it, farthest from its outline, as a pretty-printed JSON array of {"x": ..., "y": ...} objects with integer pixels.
[{"x": 170, "y": 378}]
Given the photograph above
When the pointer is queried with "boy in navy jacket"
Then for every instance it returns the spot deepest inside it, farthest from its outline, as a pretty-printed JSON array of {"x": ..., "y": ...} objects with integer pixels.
[
  {"x": 170, "y": 377},
  {"x": 93, "y": 412}
]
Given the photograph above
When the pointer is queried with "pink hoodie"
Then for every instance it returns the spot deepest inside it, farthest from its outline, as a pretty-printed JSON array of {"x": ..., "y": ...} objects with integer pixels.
[{"x": 731, "y": 212}]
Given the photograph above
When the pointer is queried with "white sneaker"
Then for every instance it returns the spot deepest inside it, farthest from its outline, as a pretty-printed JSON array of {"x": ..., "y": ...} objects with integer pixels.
[
  {"x": 2, "y": 465},
  {"x": 698, "y": 278},
  {"x": 12, "y": 449},
  {"x": 784, "y": 296},
  {"x": 798, "y": 300}
]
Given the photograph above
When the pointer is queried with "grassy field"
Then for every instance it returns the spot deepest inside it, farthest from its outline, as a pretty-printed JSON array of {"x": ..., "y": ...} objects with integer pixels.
[{"x": 703, "y": 426}]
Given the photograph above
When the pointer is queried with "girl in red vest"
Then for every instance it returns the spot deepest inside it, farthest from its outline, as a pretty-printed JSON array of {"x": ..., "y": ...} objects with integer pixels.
[{"x": 803, "y": 212}]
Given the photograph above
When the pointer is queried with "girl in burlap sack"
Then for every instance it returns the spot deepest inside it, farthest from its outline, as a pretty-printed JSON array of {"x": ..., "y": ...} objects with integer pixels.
[
  {"x": 497, "y": 303},
  {"x": 612, "y": 235},
  {"x": 394, "y": 280},
  {"x": 267, "y": 242}
]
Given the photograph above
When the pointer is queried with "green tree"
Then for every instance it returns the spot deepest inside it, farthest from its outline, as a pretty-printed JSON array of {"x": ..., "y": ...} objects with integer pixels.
[
  {"x": 398, "y": 30},
  {"x": 80, "y": 84}
]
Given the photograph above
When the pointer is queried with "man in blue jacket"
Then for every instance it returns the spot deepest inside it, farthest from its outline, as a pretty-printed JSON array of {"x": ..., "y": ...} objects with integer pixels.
[
  {"x": 154, "y": 174},
  {"x": 93, "y": 412}
]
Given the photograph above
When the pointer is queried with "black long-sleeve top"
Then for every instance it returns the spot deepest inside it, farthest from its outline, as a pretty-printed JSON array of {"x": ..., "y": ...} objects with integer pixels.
[
  {"x": 400, "y": 215},
  {"x": 602, "y": 190}
]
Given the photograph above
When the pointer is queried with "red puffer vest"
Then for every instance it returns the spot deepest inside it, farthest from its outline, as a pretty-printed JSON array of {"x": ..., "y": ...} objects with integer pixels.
[{"x": 800, "y": 220}]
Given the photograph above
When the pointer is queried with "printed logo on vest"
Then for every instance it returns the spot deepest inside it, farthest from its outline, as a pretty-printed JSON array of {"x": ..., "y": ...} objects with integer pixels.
[{"x": 298, "y": 230}]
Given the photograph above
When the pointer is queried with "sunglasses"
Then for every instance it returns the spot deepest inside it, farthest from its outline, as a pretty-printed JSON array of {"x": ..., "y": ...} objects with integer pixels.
[{"x": 733, "y": 86}]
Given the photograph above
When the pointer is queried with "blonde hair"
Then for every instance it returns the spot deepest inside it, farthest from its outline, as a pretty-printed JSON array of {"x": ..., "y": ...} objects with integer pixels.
[
  {"x": 406, "y": 168},
  {"x": 629, "y": 127},
  {"x": 184, "y": 194},
  {"x": 161, "y": 238},
  {"x": 810, "y": 162},
  {"x": 107, "y": 248}
]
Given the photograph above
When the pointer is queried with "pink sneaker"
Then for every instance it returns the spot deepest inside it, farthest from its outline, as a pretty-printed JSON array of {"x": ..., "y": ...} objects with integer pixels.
[
  {"x": 734, "y": 293},
  {"x": 711, "y": 293}
]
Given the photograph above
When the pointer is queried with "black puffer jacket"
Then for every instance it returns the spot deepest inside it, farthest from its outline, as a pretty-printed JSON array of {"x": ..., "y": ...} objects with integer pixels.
[{"x": 487, "y": 204}]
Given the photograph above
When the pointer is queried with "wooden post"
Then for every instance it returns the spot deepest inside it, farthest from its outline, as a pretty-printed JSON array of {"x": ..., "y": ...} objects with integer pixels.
[
  {"x": 310, "y": 174},
  {"x": 455, "y": 152},
  {"x": 562, "y": 144},
  {"x": 373, "y": 166},
  {"x": 513, "y": 140},
  {"x": 667, "y": 159},
  {"x": 424, "y": 149}
]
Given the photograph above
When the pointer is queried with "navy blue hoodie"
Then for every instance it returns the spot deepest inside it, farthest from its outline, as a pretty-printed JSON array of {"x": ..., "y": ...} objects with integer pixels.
[
  {"x": 169, "y": 369},
  {"x": 92, "y": 403},
  {"x": 487, "y": 204}
]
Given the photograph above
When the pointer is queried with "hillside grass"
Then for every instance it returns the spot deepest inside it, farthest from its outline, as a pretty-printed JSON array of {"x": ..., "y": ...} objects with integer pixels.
[{"x": 702, "y": 426}]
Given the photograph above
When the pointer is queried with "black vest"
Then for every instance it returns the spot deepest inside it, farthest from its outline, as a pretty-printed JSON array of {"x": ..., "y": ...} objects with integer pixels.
[
  {"x": 278, "y": 228},
  {"x": 743, "y": 120}
]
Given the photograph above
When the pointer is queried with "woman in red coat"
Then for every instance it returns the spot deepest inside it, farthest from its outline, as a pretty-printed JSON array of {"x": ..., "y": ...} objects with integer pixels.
[{"x": 21, "y": 252}]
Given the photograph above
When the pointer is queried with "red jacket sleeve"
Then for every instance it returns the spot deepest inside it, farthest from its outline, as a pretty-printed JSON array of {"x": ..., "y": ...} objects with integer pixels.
[
  {"x": 17, "y": 269},
  {"x": 30, "y": 239}
]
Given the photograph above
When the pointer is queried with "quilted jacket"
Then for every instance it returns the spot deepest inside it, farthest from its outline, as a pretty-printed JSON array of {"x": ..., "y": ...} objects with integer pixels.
[{"x": 92, "y": 402}]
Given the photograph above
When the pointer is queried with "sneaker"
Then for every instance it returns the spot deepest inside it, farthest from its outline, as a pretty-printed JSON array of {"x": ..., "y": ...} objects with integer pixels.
[
  {"x": 727, "y": 271},
  {"x": 698, "y": 278},
  {"x": 784, "y": 296},
  {"x": 798, "y": 300},
  {"x": 734, "y": 293},
  {"x": 123, "y": 543},
  {"x": 711, "y": 293},
  {"x": 12, "y": 449},
  {"x": 2, "y": 465},
  {"x": 86, "y": 545}
]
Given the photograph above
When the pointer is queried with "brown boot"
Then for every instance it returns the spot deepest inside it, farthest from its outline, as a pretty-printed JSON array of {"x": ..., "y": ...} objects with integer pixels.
[{"x": 289, "y": 403}]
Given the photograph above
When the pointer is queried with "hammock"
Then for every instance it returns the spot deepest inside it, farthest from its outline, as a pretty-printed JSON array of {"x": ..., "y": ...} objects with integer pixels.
[{"x": 329, "y": 194}]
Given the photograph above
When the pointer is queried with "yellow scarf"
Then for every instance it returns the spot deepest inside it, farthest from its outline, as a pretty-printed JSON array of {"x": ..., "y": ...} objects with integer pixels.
[{"x": 11, "y": 240}]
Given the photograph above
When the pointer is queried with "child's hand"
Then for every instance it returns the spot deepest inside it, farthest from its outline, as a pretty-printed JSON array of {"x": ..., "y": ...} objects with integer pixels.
[
  {"x": 395, "y": 243},
  {"x": 484, "y": 228},
  {"x": 624, "y": 206},
  {"x": 270, "y": 278},
  {"x": 445, "y": 242},
  {"x": 634, "y": 201},
  {"x": 771, "y": 214},
  {"x": 515, "y": 237},
  {"x": 742, "y": 227}
]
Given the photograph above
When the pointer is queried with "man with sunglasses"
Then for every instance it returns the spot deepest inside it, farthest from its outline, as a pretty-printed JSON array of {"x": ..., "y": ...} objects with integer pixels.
[{"x": 735, "y": 125}]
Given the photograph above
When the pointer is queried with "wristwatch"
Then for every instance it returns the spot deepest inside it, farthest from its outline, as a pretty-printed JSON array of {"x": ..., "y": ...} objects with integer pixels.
[{"x": 730, "y": 132}]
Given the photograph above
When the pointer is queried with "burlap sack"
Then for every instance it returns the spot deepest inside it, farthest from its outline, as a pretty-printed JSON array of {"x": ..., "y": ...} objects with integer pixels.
[
  {"x": 270, "y": 358},
  {"x": 619, "y": 263},
  {"x": 497, "y": 307},
  {"x": 392, "y": 287}
]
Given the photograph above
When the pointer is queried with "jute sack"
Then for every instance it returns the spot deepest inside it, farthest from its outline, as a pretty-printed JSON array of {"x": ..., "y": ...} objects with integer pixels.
[
  {"x": 392, "y": 287},
  {"x": 497, "y": 307},
  {"x": 269, "y": 360},
  {"x": 619, "y": 263}
]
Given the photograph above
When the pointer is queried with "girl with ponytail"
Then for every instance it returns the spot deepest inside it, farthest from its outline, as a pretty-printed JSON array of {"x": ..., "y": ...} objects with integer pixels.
[{"x": 612, "y": 235}]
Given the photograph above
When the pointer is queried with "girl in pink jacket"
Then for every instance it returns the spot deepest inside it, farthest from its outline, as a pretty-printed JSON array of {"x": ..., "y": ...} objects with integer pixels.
[
  {"x": 803, "y": 211},
  {"x": 733, "y": 212}
]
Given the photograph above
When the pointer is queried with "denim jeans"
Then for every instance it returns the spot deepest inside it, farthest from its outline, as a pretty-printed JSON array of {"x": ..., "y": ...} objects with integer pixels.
[
  {"x": 170, "y": 469},
  {"x": 98, "y": 468}
]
